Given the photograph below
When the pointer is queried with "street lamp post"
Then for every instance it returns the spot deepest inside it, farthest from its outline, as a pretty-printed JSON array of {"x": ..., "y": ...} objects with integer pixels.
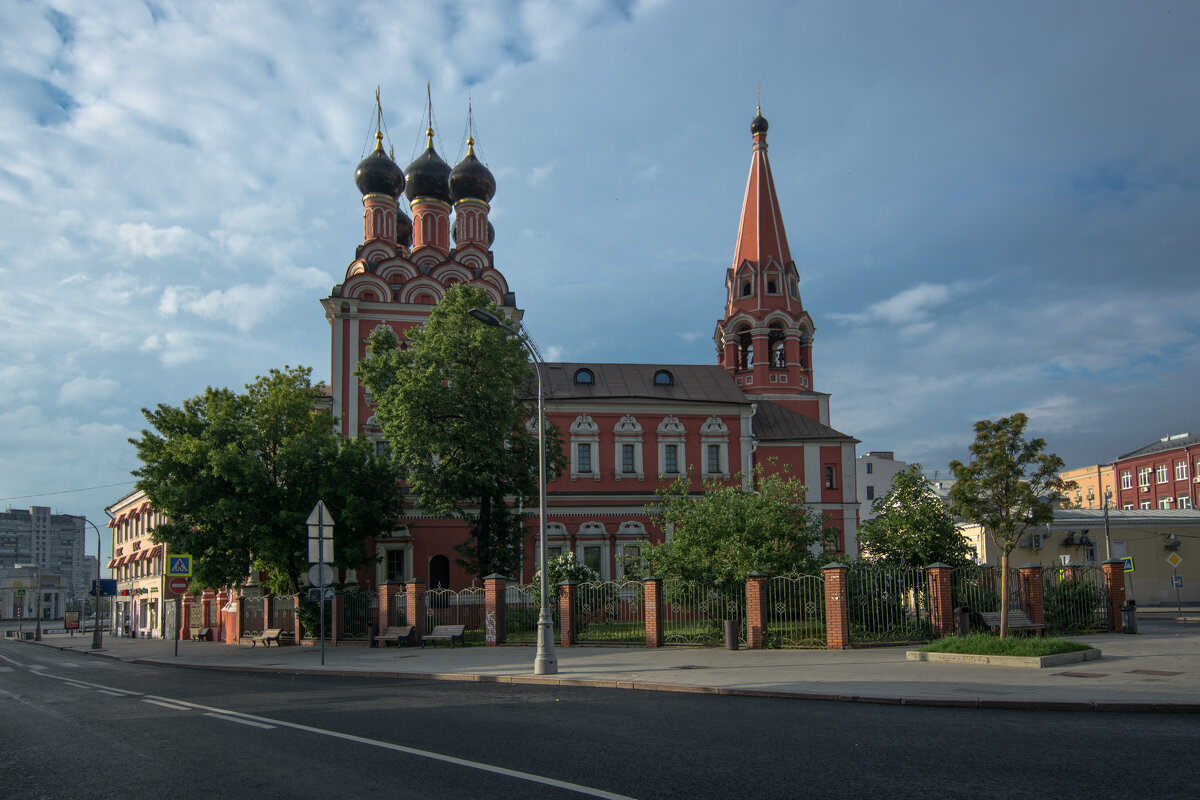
[
  {"x": 1107, "y": 537},
  {"x": 97, "y": 634},
  {"x": 545, "y": 662}
]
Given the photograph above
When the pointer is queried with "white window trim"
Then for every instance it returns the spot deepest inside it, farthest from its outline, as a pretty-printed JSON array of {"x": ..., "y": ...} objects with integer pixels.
[
  {"x": 1144, "y": 476},
  {"x": 714, "y": 431},
  {"x": 584, "y": 430},
  {"x": 1185, "y": 501},
  {"x": 671, "y": 431},
  {"x": 592, "y": 534},
  {"x": 628, "y": 431},
  {"x": 1161, "y": 473},
  {"x": 1126, "y": 480},
  {"x": 1181, "y": 470}
]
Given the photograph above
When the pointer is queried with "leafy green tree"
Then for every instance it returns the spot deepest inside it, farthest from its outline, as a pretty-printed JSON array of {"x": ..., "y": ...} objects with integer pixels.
[
  {"x": 559, "y": 568},
  {"x": 237, "y": 474},
  {"x": 453, "y": 406},
  {"x": 912, "y": 527},
  {"x": 726, "y": 533},
  {"x": 1009, "y": 485}
]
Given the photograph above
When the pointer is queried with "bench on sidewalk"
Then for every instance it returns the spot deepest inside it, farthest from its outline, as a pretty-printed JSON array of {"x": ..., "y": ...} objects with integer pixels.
[
  {"x": 202, "y": 635},
  {"x": 445, "y": 633},
  {"x": 266, "y": 637},
  {"x": 1017, "y": 621},
  {"x": 395, "y": 634}
]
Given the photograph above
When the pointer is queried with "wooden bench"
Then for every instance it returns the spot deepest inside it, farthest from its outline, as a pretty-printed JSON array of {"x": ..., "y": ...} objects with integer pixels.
[
  {"x": 445, "y": 633},
  {"x": 201, "y": 635},
  {"x": 1017, "y": 621},
  {"x": 266, "y": 637},
  {"x": 395, "y": 634}
]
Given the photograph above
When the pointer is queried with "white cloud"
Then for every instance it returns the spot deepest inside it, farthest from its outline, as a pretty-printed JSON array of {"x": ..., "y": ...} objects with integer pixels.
[
  {"x": 174, "y": 348},
  {"x": 143, "y": 240},
  {"x": 81, "y": 390},
  {"x": 904, "y": 308}
]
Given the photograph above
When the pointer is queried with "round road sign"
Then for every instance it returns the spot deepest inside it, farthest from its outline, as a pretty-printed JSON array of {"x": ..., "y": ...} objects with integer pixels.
[{"x": 178, "y": 585}]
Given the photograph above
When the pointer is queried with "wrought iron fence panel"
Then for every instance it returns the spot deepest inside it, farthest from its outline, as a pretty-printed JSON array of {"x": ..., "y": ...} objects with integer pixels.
[
  {"x": 398, "y": 610},
  {"x": 610, "y": 612},
  {"x": 1075, "y": 600},
  {"x": 975, "y": 587},
  {"x": 888, "y": 604},
  {"x": 283, "y": 614},
  {"x": 465, "y": 607},
  {"x": 252, "y": 616},
  {"x": 695, "y": 613},
  {"x": 522, "y": 607},
  {"x": 1017, "y": 601},
  {"x": 796, "y": 611},
  {"x": 197, "y": 614},
  {"x": 356, "y": 613}
]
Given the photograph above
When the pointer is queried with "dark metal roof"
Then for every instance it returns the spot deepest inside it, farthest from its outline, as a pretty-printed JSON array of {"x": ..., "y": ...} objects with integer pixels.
[
  {"x": 774, "y": 423},
  {"x": 1161, "y": 446},
  {"x": 691, "y": 383}
]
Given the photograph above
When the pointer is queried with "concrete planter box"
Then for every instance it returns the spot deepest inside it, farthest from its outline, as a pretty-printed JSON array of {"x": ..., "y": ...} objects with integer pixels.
[{"x": 1033, "y": 662}]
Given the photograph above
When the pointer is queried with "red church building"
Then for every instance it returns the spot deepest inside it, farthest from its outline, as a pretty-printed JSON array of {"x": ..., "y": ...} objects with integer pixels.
[{"x": 625, "y": 427}]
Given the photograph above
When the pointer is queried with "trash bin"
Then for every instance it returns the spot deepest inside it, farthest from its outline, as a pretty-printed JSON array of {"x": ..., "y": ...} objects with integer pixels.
[
  {"x": 371, "y": 635},
  {"x": 731, "y": 634},
  {"x": 1129, "y": 616},
  {"x": 962, "y": 621}
]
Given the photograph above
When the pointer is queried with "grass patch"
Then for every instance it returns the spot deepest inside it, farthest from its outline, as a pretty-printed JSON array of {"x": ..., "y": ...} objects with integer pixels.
[{"x": 986, "y": 644}]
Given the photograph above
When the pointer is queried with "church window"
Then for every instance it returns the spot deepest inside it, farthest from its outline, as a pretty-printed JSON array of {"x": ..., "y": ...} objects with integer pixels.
[
  {"x": 745, "y": 349},
  {"x": 591, "y": 557},
  {"x": 425, "y": 299},
  {"x": 585, "y": 438},
  {"x": 830, "y": 476},
  {"x": 584, "y": 462},
  {"x": 714, "y": 459},
  {"x": 870, "y": 492},
  {"x": 775, "y": 345},
  {"x": 747, "y": 290},
  {"x": 627, "y": 458},
  {"x": 714, "y": 437},
  {"x": 772, "y": 287},
  {"x": 671, "y": 459},
  {"x": 394, "y": 572},
  {"x": 664, "y": 378},
  {"x": 627, "y": 435},
  {"x": 584, "y": 376}
]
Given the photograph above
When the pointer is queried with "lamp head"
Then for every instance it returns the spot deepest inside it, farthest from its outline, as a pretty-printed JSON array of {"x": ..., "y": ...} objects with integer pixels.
[{"x": 486, "y": 317}]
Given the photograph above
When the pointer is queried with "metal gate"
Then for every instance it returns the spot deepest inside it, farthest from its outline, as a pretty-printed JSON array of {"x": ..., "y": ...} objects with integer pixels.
[
  {"x": 796, "y": 611},
  {"x": 1075, "y": 599},
  {"x": 695, "y": 613},
  {"x": 888, "y": 604}
]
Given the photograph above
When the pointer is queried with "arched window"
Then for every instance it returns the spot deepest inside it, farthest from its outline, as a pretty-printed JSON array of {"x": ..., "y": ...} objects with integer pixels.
[
  {"x": 775, "y": 346},
  {"x": 772, "y": 287},
  {"x": 746, "y": 289},
  {"x": 745, "y": 349},
  {"x": 584, "y": 376},
  {"x": 664, "y": 378}
]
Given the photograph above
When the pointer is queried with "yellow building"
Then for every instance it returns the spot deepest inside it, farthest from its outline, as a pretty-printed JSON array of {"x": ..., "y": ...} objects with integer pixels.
[
  {"x": 1092, "y": 485},
  {"x": 1150, "y": 537}
]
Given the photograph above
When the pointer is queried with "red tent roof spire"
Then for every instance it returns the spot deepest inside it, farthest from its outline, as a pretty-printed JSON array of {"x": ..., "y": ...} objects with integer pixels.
[{"x": 761, "y": 235}]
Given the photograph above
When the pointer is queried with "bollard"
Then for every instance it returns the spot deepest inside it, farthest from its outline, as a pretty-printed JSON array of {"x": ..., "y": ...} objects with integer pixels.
[{"x": 731, "y": 634}]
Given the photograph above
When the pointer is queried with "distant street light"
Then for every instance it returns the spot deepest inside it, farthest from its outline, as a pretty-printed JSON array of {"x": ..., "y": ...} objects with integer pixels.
[
  {"x": 97, "y": 634},
  {"x": 545, "y": 662},
  {"x": 1107, "y": 538}
]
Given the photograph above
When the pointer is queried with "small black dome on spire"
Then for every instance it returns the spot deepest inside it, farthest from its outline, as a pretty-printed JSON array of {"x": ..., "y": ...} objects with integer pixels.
[
  {"x": 404, "y": 228},
  {"x": 378, "y": 174},
  {"x": 428, "y": 175},
  {"x": 758, "y": 124},
  {"x": 471, "y": 178}
]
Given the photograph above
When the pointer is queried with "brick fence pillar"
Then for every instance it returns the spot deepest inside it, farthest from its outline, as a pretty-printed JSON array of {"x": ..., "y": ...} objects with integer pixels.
[
  {"x": 566, "y": 613},
  {"x": 207, "y": 598},
  {"x": 387, "y": 606},
  {"x": 837, "y": 611},
  {"x": 941, "y": 602},
  {"x": 1114, "y": 570},
  {"x": 1032, "y": 590},
  {"x": 415, "y": 610},
  {"x": 493, "y": 609},
  {"x": 185, "y": 624},
  {"x": 654, "y": 612},
  {"x": 756, "y": 611}
]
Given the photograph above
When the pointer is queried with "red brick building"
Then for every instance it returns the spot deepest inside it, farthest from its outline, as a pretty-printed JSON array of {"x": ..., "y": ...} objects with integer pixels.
[
  {"x": 626, "y": 427},
  {"x": 1164, "y": 474}
]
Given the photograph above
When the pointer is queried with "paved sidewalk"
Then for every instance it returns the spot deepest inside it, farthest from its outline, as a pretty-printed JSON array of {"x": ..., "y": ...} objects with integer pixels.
[{"x": 1157, "y": 669}]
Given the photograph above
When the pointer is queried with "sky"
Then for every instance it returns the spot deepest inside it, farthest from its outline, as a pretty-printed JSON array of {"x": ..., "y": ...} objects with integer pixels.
[{"x": 993, "y": 207}]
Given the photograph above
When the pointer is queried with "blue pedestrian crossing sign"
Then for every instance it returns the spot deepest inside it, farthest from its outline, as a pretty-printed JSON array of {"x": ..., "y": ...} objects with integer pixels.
[
  {"x": 179, "y": 566},
  {"x": 1127, "y": 563}
]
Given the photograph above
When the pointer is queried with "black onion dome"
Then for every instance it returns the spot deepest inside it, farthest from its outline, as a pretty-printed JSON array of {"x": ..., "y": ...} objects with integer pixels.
[
  {"x": 471, "y": 179},
  {"x": 378, "y": 174},
  {"x": 428, "y": 175},
  {"x": 404, "y": 228},
  {"x": 491, "y": 234},
  {"x": 758, "y": 124}
]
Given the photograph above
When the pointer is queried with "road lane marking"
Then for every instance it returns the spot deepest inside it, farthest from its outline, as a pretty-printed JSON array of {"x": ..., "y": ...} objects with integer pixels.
[
  {"x": 412, "y": 751},
  {"x": 112, "y": 694},
  {"x": 76, "y": 684},
  {"x": 101, "y": 687},
  {"x": 166, "y": 705},
  {"x": 249, "y": 722},
  {"x": 12, "y": 661}
]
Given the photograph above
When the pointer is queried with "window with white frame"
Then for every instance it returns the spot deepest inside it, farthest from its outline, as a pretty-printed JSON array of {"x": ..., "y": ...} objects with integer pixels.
[
  {"x": 592, "y": 548},
  {"x": 1127, "y": 507},
  {"x": 671, "y": 455},
  {"x": 1145, "y": 505},
  {"x": 1181, "y": 470},
  {"x": 1126, "y": 480},
  {"x": 1161, "y": 473},
  {"x": 628, "y": 457},
  {"x": 830, "y": 476},
  {"x": 714, "y": 437},
  {"x": 1143, "y": 476},
  {"x": 585, "y": 448},
  {"x": 1185, "y": 501},
  {"x": 1164, "y": 502}
]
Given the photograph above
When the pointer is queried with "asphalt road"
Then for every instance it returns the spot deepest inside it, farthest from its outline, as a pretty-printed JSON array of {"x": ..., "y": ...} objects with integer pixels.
[{"x": 79, "y": 727}]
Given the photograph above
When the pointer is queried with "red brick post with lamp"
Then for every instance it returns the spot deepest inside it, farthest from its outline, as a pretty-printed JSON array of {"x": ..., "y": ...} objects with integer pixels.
[
  {"x": 1114, "y": 571},
  {"x": 837, "y": 607},
  {"x": 654, "y": 612},
  {"x": 756, "y": 611}
]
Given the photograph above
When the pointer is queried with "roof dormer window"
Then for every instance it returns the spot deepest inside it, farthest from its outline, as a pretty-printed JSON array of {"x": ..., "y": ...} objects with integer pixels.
[
  {"x": 585, "y": 376},
  {"x": 664, "y": 378}
]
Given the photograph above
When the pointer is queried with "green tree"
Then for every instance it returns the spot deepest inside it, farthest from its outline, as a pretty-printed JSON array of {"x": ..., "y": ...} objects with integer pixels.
[
  {"x": 452, "y": 404},
  {"x": 912, "y": 527},
  {"x": 1009, "y": 485},
  {"x": 727, "y": 532},
  {"x": 237, "y": 474}
]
